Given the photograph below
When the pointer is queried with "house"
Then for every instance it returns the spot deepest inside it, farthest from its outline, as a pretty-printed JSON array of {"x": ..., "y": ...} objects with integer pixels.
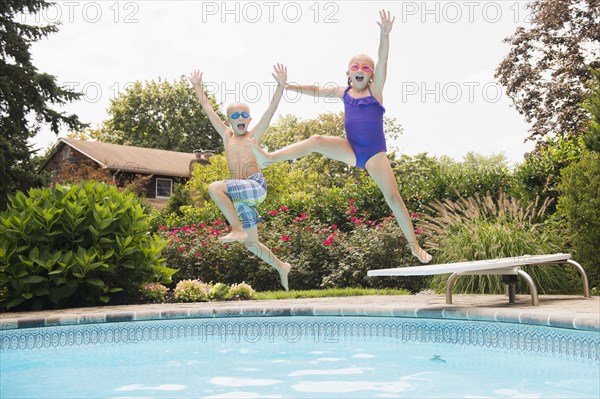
[{"x": 165, "y": 168}]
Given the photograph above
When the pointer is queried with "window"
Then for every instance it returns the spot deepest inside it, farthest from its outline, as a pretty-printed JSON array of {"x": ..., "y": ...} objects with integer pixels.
[
  {"x": 65, "y": 154},
  {"x": 164, "y": 188}
]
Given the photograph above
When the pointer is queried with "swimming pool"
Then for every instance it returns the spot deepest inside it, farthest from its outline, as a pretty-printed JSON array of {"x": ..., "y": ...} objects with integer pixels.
[{"x": 349, "y": 357}]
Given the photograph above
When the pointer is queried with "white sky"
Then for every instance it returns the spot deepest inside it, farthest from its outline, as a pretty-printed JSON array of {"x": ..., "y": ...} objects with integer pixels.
[{"x": 440, "y": 85}]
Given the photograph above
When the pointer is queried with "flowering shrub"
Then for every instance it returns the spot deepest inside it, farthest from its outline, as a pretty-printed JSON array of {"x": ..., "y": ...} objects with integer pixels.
[
  {"x": 218, "y": 292},
  {"x": 191, "y": 291},
  {"x": 155, "y": 292},
  {"x": 240, "y": 291},
  {"x": 322, "y": 255}
]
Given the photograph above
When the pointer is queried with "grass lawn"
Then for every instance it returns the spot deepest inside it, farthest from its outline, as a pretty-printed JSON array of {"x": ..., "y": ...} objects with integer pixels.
[{"x": 331, "y": 292}]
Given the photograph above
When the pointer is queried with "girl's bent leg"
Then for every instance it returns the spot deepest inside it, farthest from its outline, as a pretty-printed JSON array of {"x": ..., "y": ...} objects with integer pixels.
[
  {"x": 381, "y": 172},
  {"x": 335, "y": 148},
  {"x": 257, "y": 248}
]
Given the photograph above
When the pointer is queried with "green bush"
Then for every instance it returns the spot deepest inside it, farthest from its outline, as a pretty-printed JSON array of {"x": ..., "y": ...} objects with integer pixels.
[
  {"x": 76, "y": 245},
  {"x": 578, "y": 212},
  {"x": 539, "y": 174},
  {"x": 487, "y": 228},
  {"x": 218, "y": 292},
  {"x": 240, "y": 291},
  {"x": 180, "y": 197},
  {"x": 154, "y": 292},
  {"x": 475, "y": 174},
  {"x": 191, "y": 291}
]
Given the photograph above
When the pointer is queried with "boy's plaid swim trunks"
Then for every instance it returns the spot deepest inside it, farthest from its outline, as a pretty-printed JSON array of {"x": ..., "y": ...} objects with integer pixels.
[{"x": 246, "y": 195}]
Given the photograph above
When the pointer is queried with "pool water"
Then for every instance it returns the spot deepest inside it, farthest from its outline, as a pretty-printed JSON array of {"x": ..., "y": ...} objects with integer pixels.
[{"x": 300, "y": 357}]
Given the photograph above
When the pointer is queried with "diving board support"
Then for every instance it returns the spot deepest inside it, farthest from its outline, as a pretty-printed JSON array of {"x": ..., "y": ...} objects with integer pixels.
[
  {"x": 510, "y": 285},
  {"x": 581, "y": 270}
]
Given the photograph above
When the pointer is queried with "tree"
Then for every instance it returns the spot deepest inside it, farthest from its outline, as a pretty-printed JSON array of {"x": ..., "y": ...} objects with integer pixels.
[
  {"x": 547, "y": 69},
  {"x": 159, "y": 115},
  {"x": 26, "y": 97},
  {"x": 592, "y": 105}
]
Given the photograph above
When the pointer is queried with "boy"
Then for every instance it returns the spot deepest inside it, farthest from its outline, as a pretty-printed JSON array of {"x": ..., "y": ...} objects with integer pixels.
[{"x": 248, "y": 188}]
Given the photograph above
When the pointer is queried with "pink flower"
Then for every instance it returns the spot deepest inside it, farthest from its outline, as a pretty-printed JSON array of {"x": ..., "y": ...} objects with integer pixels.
[
  {"x": 334, "y": 226},
  {"x": 180, "y": 249},
  {"x": 283, "y": 208},
  {"x": 275, "y": 249},
  {"x": 351, "y": 211},
  {"x": 418, "y": 231},
  {"x": 307, "y": 228},
  {"x": 353, "y": 218},
  {"x": 226, "y": 246},
  {"x": 285, "y": 238},
  {"x": 351, "y": 202},
  {"x": 301, "y": 217},
  {"x": 272, "y": 213},
  {"x": 329, "y": 240},
  {"x": 415, "y": 215},
  {"x": 198, "y": 255}
]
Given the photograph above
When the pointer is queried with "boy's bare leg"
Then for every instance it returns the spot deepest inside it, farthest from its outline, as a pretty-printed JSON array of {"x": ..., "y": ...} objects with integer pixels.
[
  {"x": 218, "y": 193},
  {"x": 335, "y": 148},
  {"x": 381, "y": 172},
  {"x": 257, "y": 248}
]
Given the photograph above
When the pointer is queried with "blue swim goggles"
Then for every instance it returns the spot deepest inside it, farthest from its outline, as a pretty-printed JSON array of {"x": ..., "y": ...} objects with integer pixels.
[{"x": 236, "y": 115}]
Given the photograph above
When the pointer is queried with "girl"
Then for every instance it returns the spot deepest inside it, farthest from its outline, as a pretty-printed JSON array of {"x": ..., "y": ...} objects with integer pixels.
[{"x": 364, "y": 145}]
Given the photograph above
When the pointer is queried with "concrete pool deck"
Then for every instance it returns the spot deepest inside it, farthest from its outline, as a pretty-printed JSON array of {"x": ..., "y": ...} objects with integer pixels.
[{"x": 573, "y": 312}]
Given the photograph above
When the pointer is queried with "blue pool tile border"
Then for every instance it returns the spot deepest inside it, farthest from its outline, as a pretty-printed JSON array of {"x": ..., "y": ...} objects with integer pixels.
[{"x": 584, "y": 345}]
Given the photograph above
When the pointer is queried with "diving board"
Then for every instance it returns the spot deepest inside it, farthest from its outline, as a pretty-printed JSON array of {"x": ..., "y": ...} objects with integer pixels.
[{"x": 506, "y": 267}]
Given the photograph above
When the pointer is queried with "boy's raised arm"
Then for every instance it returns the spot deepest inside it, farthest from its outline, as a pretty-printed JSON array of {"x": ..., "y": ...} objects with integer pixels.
[
  {"x": 280, "y": 76},
  {"x": 196, "y": 81}
]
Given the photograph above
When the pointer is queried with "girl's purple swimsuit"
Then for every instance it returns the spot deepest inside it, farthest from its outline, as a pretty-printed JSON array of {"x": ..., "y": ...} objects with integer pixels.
[{"x": 364, "y": 126}]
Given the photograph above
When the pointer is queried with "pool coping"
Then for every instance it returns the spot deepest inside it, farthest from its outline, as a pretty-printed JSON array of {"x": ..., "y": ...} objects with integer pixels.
[{"x": 570, "y": 312}]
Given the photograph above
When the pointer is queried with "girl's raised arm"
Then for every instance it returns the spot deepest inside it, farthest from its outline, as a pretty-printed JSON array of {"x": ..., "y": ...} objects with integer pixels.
[
  {"x": 316, "y": 91},
  {"x": 384, "y": 47}
]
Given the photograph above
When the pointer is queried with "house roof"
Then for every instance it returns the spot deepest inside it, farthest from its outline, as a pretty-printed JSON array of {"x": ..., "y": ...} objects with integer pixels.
[{"x": 133, "y": 159}]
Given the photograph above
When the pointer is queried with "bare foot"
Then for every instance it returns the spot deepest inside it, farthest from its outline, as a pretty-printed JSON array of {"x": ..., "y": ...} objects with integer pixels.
[
  {"x": 239, "y": 236},
  {"x": 283, "y": 274},
  {"x": 262, "y": 156},
  {"x": 420, "y": 253}
]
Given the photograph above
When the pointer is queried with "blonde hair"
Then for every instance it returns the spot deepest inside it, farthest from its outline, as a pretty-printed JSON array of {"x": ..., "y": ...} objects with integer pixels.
[{"x": 364, "y": 57}]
